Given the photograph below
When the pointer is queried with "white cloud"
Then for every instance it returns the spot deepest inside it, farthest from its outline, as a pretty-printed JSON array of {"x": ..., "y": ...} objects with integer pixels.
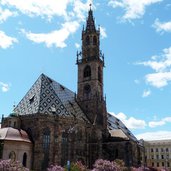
[
  {"x": 162, "y": 26},
  {"x": 162, "y": 122},
  {"x": 161, "y": 64},
  {"x": 154, "y": 124},
  {"x": 158, "y": 80},
  {"x": 50, "y": 8},
  {"x": 131, "y": 123},
  {"x": 56, "y": 38},
  {"x": 80, "y": 8},
  {"x": 146, "y": 93},
  {"x": 134, "y": 9},
  {"x": 6, "y": 41},
  {"x": 46, "y": 8},
  {"x": 103, "y": 32},
  {"x": 77, "y": 45},
  {"x": 4, "y": 87},
  {"x": 4, "y": 14},
  {"x": 72, "y": 13},
  {"x": 159, "y": 135}
]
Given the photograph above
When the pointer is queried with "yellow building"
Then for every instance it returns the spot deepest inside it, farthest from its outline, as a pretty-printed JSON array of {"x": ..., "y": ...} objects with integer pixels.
[{"x": 158, "y": 153}]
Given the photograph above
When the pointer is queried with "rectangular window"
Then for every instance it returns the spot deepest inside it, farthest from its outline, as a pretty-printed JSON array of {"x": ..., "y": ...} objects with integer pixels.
[
  {"x": 14, "y": 124},
  {"x": 151, "y": 149},
  {"x": 157, "y": 150},
  {"x": 157, "y": 156},
  {"x": 167, "y": 156},
  {"x": 162, "y": 156},
  {"x": 152, "y": 164},
  {"x": 163, "y": 164},
  {"x": 168, "y": 164},
  {"x": 9, "y": 123},
  {"x": 157, "y": 164}
]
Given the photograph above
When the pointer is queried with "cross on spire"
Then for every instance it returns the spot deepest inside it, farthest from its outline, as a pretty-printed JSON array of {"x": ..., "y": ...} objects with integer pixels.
[
  {"x": 90, "y": 5},
  {"x": 90, "y": 26}
]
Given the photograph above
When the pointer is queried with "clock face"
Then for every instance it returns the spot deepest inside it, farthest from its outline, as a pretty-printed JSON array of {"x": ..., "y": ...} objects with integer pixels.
[{"x": 87, "y": 88}]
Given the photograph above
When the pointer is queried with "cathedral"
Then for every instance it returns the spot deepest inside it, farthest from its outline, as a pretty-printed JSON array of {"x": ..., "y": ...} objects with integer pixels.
[{"x": 53, "y": 125}]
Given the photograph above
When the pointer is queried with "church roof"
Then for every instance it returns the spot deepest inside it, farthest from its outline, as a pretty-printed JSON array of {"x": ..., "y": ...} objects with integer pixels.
[
  {"x": 12, "y": 134},
  {"x": 46, "y": 96},
  {"x": 116, "y": 124}
]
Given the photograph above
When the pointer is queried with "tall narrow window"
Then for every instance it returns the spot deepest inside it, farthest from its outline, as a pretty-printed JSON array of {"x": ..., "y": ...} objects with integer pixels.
[
  {"x": 94, "y": 40},
  {"x": 87, "y": 71},
  {"x": 25, "y": 159},
  {"x": 116, "y": 153},
  {"x": 168, "y": 164},
  {"x": 87, "y": 40},
  {"x": 87, "y": 89},
  {"x": 99, "y": 74},
  {"x": 46, "y": 139},
  {"x": 65, "y": 148}
]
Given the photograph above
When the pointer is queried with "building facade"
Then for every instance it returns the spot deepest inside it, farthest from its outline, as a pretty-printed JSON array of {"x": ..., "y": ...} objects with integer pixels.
[
  {"x": 64, "y": 126},
  {"x": 158, "y": 153}
]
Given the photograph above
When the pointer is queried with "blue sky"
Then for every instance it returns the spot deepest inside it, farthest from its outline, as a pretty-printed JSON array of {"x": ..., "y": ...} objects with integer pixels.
[{"x": 43, "y": 37}]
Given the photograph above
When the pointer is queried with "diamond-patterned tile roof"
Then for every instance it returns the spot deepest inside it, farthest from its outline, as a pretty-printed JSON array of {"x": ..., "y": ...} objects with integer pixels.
[
  {"x": 46, "y": 96},
  {"x": 116, "y": 124}
]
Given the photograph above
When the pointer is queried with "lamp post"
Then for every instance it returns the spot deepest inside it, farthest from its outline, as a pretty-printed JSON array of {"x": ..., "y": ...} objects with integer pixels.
[{"x": 69, "y": 132}]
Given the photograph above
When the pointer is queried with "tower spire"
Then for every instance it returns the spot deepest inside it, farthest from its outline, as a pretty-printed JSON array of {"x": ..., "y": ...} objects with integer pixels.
[
  {"x": 90, "y": 25},
  {"x": 90, "y": 74}
]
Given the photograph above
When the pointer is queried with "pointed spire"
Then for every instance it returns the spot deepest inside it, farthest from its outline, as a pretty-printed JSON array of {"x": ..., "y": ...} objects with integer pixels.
[{"x": 90, "y": 26}]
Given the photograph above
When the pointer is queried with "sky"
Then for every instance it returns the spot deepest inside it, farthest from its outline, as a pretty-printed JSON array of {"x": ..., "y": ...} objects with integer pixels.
[{"x": 44, "y": 36}]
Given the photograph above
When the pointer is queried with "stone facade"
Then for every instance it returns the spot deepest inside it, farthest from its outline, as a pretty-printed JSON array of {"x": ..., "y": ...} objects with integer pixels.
[
  {"x": 15, "y": 144},
  {"x": 66, "y": 126}
]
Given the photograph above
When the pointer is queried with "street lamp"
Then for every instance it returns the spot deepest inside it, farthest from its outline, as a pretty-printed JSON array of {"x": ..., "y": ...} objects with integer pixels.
[{"x": 69, "y": 132}]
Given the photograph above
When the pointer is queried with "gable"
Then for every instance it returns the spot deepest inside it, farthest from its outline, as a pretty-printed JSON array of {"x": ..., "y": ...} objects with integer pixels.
[{"x": 46, "y": 96}]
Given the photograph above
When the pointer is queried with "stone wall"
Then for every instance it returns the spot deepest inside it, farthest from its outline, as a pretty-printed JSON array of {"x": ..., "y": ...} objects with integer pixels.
[
  {"x": 17, "y": 149},
  {"x": 69, "y": 139}
]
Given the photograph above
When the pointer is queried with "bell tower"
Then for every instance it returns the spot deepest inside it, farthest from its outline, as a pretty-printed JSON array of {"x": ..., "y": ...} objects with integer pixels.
[{"x": 90, "y": 63}]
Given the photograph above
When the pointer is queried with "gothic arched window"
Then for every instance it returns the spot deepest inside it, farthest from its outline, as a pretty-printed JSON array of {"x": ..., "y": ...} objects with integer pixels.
[
  {"x": 94, "y": 40},
  {"x": 87, "y": 40},
  {"x": 46, "y": 139},
  {"x": 24, "y": 159},
  {"x": 99, "y": 74},
  {"x": 87, "y": 71}
]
